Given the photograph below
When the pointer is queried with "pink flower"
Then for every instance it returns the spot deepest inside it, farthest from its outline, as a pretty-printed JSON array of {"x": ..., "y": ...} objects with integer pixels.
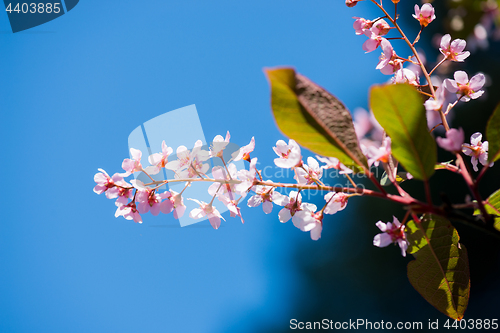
[
  {"x": 289, "y": 155},
  {"x": 362, "y": 123},
  {"x": 436, "y": 104},
  {"x": 382, "y": 154},
  {"x": 152, "y": 201},
  {"x": 372, "y": 42},
  {"x": 424, "y": 15},
  {"x": 455, "y": 50},
  {"x": 196, "y": 168},
  {"x": 351, "y": 3},
  {"x": 309, "y": 221},
  {"x": 159, "y": 160},
  {"x": 405, "y": 75},
  {"x": 125, "y": 192},
  {"x": 333, "y": 163},
  {"x": 224, "y": 189},
  {"x": 187, "y": 158},
  {"x": 244, "y": 152},
  {"x": 134, "y": 164},
  {"x": 453, "y": 141},
  {"x": 477, "y": 149},
  {"x": 107, "y": 184},
  {"x": 464, "y": 88},
  {"x": 183, "y": 159},
  {"x": 380, "y": 28},
  {"x": 219, "y": 144},
  {"x": 310, "y": 174},
  {"x": 388, "y": 61},
  {"x": 206, "y": 210},
  {"x": 177, "y": 204},
  {"x": 292, "y": 204},
  {"x": 365, "y": 123},
  {"x": 479, "y": 38},
  {"x": 129, "y": 212},
  {"x": 232, "y": 205},
  {"x": 265, "y": 195},
  {"x": 190, "y": 163},
  {"x": 247, "y": 177},
  {"x": 391, "y": 233},
  {"x": 361, "y": 25},
  {"x": 335, "y": 202},
  {"x": 433, "y": 119}
]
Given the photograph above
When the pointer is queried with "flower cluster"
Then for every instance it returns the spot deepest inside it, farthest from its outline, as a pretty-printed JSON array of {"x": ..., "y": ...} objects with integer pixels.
[
  {"x": 390, "y": 63},
  {"x": 229, "y": 185},
  {"x": 477, "y": 150}
]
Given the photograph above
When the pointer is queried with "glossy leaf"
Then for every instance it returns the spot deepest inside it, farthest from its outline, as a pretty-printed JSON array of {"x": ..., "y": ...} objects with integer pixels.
[
  {"x": 398, "y": 108},
  {"x": 440, "y": 272},
  {"x": 492, "y": 206},
  {"x": 493, "y": 135},
  {"x": 314, "y": 118}
]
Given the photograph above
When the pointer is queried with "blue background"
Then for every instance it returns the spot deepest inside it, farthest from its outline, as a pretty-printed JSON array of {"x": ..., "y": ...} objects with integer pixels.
[{"x": 73, "y": 89}]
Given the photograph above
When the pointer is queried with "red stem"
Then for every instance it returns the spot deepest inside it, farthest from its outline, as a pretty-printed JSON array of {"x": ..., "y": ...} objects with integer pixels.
[{"x": 472, "y": 186}]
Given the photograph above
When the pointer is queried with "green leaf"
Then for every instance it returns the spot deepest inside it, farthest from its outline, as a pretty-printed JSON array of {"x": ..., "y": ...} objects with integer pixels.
[
  {"x": 493, "y": 135},
  {"x": 492, "y": 205},
  {"x": 314, "y": 118},
  {"x": 440, "y": 272},
  {"x": 398, "y": 108}
]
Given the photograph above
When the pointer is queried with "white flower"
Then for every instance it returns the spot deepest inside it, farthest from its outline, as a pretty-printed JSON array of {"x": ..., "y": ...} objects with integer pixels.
[
  {"x": 159, "y": 160},
  {"x": 265, "y": 195},
  {"x": 206, "y": 210},
  {"x": 391, "y": 233},
  {"x": 310, "y": 174},
  {"x": 219, "y": 144},
  {"x": 336, "y": 202},
  {"x": 477, "y": 149},
  {"x": 244, "y": 152},
  {"x": 453, "y": 141},
  {"x": 333, "y": 163},
  {"x": 464, "y": 88},
  {"x": 309, "y": 221},
  {"x": 292, "y": 204},
  {"x": 289, "y": 155}
]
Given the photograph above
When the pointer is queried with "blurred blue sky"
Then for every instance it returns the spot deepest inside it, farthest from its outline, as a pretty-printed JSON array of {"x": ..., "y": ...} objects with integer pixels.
[{"x": 71, "y": 92}]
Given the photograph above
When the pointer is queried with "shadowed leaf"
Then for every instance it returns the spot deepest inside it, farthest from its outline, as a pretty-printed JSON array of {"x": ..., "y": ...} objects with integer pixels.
[
  {"x": 314, "y": 118},
  {"x": 440, "y": 272},
  {"x": 492, "y": 206},
  {"x": 493, "y": 135},
  {"x": 398, "y": 108}
]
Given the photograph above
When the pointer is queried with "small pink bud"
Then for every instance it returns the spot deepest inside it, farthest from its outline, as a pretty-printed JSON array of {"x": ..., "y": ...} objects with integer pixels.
[
  {"x": 453, "y": 141},
  {"x": 351, "y": 3},
  {"x": 424, "y": 15}
]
